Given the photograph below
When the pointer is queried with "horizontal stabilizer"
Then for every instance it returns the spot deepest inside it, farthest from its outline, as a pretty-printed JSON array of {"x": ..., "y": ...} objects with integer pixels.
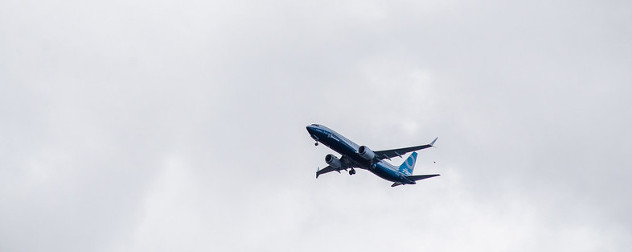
[{"x": 420, "y": 177}]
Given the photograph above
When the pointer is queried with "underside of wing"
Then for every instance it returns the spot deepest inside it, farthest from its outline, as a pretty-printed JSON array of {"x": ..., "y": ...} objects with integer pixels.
[
  {"x": 325, "y": 170},
  {"x": 388, "y": 154},
  {"x": 345, "y": 163}
]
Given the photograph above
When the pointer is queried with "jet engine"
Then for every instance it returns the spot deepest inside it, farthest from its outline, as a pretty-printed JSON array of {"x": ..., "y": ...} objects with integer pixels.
[
  {"x": 333, "y": 161},
  {"x": 366, "y": 153}
]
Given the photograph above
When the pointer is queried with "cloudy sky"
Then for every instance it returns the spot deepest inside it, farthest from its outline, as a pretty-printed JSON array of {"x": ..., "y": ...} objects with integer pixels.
[{"x": 180, "y": 125}]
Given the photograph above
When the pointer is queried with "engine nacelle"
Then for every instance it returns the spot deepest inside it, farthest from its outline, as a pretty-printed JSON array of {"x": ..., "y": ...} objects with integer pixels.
[
  {"x": 366, "y": 153},
  {"x": 333, "y": 161}
]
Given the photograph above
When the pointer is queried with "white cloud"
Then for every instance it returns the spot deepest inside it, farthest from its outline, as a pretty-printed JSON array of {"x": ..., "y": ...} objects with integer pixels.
[{"x": 145, "y": 126}]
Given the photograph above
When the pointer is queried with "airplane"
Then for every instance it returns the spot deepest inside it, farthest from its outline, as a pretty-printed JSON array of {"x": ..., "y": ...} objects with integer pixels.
[{"x": 355, "y": 156}]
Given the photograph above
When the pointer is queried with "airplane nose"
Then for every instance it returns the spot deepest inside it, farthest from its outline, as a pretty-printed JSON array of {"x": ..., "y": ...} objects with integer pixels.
[{"x": 310, "y": 129}]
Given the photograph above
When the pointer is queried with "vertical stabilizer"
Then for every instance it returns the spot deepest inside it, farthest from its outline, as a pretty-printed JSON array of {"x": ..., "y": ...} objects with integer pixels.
[{"x": 408, "y": 165}]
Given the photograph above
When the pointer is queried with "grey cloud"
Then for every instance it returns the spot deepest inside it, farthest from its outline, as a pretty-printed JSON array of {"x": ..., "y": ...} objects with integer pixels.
[{"x": 145, "y": 126}]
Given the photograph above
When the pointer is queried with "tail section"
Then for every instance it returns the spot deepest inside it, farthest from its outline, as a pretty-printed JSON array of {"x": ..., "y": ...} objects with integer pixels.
[
  {"x": 420, "y": 177},
  {"x": 409, "y": 165}
]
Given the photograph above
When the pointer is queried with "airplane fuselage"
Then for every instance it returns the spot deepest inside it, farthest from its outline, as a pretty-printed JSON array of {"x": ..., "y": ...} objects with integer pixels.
[{"x": 348, "y": 148}]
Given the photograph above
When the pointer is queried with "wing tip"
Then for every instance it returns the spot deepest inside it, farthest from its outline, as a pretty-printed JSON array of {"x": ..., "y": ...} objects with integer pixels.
[{"x": 433, "y": 142}]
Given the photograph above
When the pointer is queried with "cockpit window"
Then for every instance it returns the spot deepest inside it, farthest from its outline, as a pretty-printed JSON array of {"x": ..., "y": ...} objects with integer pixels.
[{"x": 315, "y": 125}]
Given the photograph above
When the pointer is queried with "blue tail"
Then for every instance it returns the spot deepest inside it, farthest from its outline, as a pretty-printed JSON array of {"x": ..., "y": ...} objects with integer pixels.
[{"x": 408, "y": 165}]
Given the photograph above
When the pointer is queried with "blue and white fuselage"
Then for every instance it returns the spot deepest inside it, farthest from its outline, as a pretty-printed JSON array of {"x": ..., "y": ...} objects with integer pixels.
[{"x": 355, "y": 156}]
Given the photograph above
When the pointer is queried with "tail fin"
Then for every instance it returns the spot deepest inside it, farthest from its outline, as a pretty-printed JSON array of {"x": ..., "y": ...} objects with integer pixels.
[{"x": 408, "y": 165}]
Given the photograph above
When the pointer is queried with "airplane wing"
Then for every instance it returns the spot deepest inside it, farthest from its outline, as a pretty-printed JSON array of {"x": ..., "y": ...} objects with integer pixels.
[
  {"x": 388, "y": 154},
  {"x": 346, "y": 164},
  {"x": 325, "y": 170}
]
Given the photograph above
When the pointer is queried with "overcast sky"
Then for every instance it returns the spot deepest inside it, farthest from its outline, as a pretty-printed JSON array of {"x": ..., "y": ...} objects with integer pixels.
[{"x": 133, "y": 125}]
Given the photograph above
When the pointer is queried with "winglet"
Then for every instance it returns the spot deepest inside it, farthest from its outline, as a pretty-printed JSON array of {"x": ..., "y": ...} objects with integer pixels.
[{"x": 433, "y": 141}]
